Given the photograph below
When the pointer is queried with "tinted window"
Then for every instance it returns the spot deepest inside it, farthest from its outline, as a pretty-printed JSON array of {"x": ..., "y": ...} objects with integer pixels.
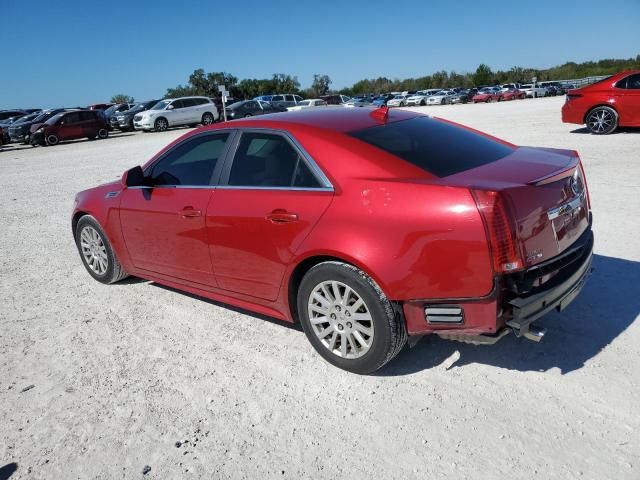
[
  {"x": 178, "y": 104},
  {"x": 88, "y": 115},
  {"x": 73, "y": 117},
  {"x": 434, "y": 146},
  {"x": 267, "y": 160},
  {"x": 191, "y": 163},
  {"x": 277, "y": 98},
  {"x": 633, "y": 82}
]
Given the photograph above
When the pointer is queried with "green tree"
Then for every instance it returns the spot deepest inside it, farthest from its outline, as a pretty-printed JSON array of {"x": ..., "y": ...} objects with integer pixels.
[
  {"x": 121, "y": 98},
  {"x": 320, "y": 85},
  {"x": 205, "y": 84},
  {"x": 483, "y": 75}
]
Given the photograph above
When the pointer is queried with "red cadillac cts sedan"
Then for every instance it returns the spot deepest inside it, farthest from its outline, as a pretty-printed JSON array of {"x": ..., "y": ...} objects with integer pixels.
[
  {"x": 366, "y": 226},
  {"x": 605, "y": 105}
]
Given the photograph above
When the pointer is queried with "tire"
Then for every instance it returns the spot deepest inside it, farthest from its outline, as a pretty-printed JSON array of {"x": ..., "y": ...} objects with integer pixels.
[
  {"x": 103, "y": 133},
  {"x": 96, "y": 252},
  {"x": 602, "y": 120},
  {"x": 52, "y": 140},
  {"x": 422, "y": 103},
  {"x": 161, "y": 124},
  {"x": 387, "y": 330},
  {"x": 207, "y": 119}
]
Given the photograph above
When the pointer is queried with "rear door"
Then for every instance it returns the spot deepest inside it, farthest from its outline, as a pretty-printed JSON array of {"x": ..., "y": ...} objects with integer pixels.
[
  {"x": 271, "y": 196},
  {"x": 629, "y": 102},
  {"x": 164, "y": 225}
]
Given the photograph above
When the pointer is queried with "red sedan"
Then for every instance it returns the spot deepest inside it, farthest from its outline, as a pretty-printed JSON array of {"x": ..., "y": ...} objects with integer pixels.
[
  {"x": 487, "y": 95},
  {"x": 513, "y": 94},
  {"x": 606, "y": 105},
  {"x": 364, "y": 225}
]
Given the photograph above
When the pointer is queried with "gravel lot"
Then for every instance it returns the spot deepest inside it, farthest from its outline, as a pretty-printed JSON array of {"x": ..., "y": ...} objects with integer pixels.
[{"x": 134, "y": 375}]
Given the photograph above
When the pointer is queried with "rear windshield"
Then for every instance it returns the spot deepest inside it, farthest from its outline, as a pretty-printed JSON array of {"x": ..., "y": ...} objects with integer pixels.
[{"x": 437, "y": 147}]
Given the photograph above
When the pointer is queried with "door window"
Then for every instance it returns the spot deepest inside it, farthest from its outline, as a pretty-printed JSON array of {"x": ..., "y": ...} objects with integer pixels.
[
  {"x": 70, "y": 118},
  {"x": 633, "y": 82},
  {"x": 177, "y": 104},
  {"x": 269, "y": 160},
  {"x": 191, "y": 163}
]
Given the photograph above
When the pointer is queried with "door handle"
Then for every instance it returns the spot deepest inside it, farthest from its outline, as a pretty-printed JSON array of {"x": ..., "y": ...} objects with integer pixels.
[
  {"x": 282, "y": 216},
  {"x": 190, "y": 212}
]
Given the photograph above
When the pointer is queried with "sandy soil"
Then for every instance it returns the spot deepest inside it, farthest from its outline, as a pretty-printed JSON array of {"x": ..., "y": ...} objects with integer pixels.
[{"x": 134, "y": 375}]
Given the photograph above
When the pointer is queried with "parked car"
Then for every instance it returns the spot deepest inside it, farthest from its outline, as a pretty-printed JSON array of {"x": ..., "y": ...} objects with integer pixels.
[
  {"x": 71, "y": 126},
  {"x": 44, "y": 116},
  {"x": 285, "y": 101},
  {"x": 124, "y": 120},
  {"x": 229, "y": 101},
  {"x": 473, "y": 256},
  {"x": 19, "y": 130},
  {"x": 534, "y": 91},
  {"x": 113, "y": 110},
  {"x": 263, "y": 98},
  {"x": 250, "y": 108},
  {"x": 99, "y": 106},
  {"x": 4, "y": 137},
  {"x": 440, "y": 98},
  {"x": 420, "y": 97},
  {"x": 467, "y": 95},
  {"x": 398, "y": 101},
  {"x": 357, "y": 102},
  {"x": 335, "y": 99},
  {"x": 381, "y": 100},
  {"x": 488, "y": 94},
  {"x": 175, "y": 112},
  {"x": 513, "y": 94},
  {"x": 312, "y": 103},
  {"x": 7, "y": 114},
  {"x": 605, "y": 105}
]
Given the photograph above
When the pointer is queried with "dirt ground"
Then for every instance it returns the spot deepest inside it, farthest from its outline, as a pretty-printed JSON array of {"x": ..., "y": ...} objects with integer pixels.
[{"x": 102, "y": 381}]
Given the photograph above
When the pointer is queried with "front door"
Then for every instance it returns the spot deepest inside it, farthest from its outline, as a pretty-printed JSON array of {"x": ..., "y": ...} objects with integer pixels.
[
  {"x": 71, "y": 126},
  {"x": 164, "y": 224},
  {"x": 629, "y": 106},
  {"x": 273, "y": 198}
]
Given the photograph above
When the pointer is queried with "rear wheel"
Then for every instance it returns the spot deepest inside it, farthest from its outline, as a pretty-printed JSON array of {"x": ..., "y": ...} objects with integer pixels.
[
  {"x": 96, "y": 252},
  {"x": 103, "y": 133},
  {"x": 207, "y": 119},
  {"x": 348, "y": 319},
  {"x": 422, "y": 103},
  {"x": 602, "y": 120}
]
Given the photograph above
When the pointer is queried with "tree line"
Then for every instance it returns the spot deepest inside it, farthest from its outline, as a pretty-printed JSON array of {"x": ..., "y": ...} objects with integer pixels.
[{"x": 206, "y": 84}]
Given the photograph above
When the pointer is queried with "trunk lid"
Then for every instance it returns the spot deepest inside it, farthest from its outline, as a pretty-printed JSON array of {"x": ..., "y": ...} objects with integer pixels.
[{"x": 545, "y": 196}]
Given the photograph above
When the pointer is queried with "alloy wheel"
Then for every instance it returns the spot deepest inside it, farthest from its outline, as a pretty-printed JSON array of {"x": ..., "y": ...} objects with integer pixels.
[
  {"x": 94, "y": 250},
  {"x": 600, "y": 121},
  {"x": 341, "y": 319},
  {"x": 161, "y": 125}
]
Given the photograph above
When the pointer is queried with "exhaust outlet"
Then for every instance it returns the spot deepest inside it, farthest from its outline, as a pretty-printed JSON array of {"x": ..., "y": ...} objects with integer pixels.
[{"x": 535, "y": 334}]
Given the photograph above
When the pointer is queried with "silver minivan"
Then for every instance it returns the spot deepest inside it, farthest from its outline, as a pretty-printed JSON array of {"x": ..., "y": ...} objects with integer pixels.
[{"x": 173, "y": 112}]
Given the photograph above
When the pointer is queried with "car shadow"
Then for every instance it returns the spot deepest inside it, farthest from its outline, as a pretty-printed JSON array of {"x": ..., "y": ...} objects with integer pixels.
[
  {"x": 618, "y": 131},
  {"x": 8, "y": 470},
  {"x": 607, "y": 305}
]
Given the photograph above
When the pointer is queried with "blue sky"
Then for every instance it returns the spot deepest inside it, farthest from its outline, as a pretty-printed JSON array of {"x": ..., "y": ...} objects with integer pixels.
[{"x": 76, "y": 52}]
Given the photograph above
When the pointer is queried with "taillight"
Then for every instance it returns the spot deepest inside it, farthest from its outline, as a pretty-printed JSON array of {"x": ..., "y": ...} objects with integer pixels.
[
  {"x": 572, "y": 96},
  {"x": 500, "y": 231}
]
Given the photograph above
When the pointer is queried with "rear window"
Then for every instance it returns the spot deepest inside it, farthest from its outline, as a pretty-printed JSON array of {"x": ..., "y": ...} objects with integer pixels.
[{"x": 437, "y": 147}]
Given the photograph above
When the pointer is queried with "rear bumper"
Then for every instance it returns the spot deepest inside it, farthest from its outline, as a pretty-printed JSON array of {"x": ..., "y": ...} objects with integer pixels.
[
  {"x": 572, "y": 113},
  {"x": 557, "y": 293}
]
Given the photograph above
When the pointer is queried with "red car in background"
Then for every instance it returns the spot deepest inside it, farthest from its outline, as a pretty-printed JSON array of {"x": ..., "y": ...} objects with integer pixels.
[
  {"x": 361, "y": 224},
  {"x": 100, "y": 106},
  {"x": 605, "y": 105},
  {"x": 513, "y": 94},
  {"x": 71, "y": 125},
  {"x": 487, "y": 95}
]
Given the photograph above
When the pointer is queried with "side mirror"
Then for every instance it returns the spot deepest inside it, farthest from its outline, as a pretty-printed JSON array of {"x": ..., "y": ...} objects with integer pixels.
[
  {"x": 170, "y": 107},
  {"x": 135, "y": 177}
]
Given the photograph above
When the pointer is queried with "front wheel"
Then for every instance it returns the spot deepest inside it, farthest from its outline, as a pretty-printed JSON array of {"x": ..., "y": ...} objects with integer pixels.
[
  {"x": 161, "y": 125},
  {"x": 52, "y": 140},
  {"x": 96, "y": 252},
  {"x": 602, "y": 120},
  {"x": 348, "y": 319}
]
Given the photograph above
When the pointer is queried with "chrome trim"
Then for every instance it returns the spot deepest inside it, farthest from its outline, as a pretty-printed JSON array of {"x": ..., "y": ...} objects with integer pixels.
[
  {"x": 566, "y": 207},
  {"x": 307, "y": 189},
  {"x": 112, "y": 194},
  {"x": 208, "y": 187}
]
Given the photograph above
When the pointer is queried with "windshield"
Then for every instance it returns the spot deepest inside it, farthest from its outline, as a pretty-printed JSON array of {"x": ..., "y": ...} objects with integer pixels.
[
  {"x": 161, "y": 105},
  {"x": 111, "y": 109}
]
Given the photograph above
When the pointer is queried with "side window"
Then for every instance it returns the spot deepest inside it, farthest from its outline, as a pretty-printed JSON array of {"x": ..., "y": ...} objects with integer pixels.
[
  {"x": 177, "y": 104},
  {"x": 73, "y": 117},
  {"x": 189, "y": 102},
  {"x": 298, "y": 99},
  {"x": 633, "y": 82},
  {"x": 288, "y": 98},
  {"x": 191, "y": 163},
  {"x": 269, "y": 160},
  {"x": 89, "y": 115},
  {"x": 277, "y": 98}
]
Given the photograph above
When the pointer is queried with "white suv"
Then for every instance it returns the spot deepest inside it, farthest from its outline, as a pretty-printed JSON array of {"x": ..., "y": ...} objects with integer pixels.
[{"x": 173, "y": 112}]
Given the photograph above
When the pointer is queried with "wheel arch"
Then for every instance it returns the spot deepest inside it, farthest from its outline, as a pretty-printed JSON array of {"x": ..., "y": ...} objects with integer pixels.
[{"x": 305, "y": 264}]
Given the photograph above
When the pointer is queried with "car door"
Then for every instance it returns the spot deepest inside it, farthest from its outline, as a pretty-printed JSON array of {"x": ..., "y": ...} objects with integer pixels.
[
  {"x": 270, "y": 197},
  {"x": 176, "y": 114},
  {"x": 70, "y": 126},
  {"x": 164, "y": 224},
  {"x": 628, "y": 103}
]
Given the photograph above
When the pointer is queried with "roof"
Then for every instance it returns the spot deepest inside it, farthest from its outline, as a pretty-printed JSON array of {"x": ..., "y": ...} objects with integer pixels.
[{"x": 339, "y": 119}]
